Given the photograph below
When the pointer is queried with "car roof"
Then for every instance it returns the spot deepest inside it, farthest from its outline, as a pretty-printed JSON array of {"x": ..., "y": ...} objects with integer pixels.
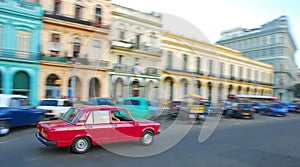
[
  {"x": 99, "y": 107},
  {"x": 56, "y": 99}
]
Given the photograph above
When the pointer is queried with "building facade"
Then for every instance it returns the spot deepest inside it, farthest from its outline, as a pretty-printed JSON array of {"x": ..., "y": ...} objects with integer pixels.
[
  {"x": 271, "y": 43},
  {"x": 75, "y": 44},
  {"x": 211, "y": 71},
  {"x": 135, "y": 53},
  {"x": 20, "y": 29}
]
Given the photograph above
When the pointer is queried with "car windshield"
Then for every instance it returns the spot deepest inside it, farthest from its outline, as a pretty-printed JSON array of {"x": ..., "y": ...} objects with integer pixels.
[
  {"x": 48, "y": 103},
  {"x": 277, "y": 106},
  {"x": 71, "y": 115},
  {"x": 178, "y": 103},
  {"x": 244, "y": 105}
]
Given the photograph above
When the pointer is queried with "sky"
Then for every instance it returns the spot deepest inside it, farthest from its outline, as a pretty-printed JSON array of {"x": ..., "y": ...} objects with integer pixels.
[{"x": 211, "y": 17}]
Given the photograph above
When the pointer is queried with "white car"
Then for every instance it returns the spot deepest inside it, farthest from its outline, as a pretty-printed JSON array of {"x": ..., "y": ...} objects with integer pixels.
[{"x": 55, "y": 107}]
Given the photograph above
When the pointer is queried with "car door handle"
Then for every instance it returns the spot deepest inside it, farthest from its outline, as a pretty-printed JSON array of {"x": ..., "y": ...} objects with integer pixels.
[
  {"x": 115, "y": 125},
  {"x": 90, "y": 127}
]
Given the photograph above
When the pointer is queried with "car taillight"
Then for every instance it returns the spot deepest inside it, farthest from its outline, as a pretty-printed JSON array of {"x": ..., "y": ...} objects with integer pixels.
[
  {"x": 252, "y": 110},
  {"x": 49, "y": 111},
  {"x": 273, "y": 109},
  {"x": 239, "y": 110}
]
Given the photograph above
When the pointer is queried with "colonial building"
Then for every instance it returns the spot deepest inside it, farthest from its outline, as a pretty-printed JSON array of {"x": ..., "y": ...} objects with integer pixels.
[
  {"x": 211, "y": 71},
  {"x": 135, "y": 53},
  {"x": 271, "y": 43},
  {"x": 20, "y": 29},
  {"x": 74, "y": 54}
]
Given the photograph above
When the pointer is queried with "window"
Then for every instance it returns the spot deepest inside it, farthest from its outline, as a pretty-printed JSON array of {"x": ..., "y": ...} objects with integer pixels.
[
  {"x": 222, "y": 69},
  {"x": 231, "y": 71},
  {"x": 153, "y": 39},
  {"x": 211, "y": 68},
  {"x": 98, "y": 16},
  {"x": 249, "y": 73},
  {"x": 122, "y": 35},
  {"x": 23, "y": 41},
  {"x": 241, "y": 72},
  {"x": 55, "y": 45},
  {"x": 78, "y": 11},
  {"x": 170, "y": 59},
  {"x": 120, "y": 59},
  {"x": 57, "y": 7},
  {"x": 256, "y": 76},
  {"x": 264, "y": 40},
  {"x": 138, "y": 40},
  {"x": 98, "y": 117},
  {"x": 185, "y": 61},
  {"x": 76, "y": 47},
  {"x": 198, "y": 64},
  {"x": 132, "y": 102},
  {"x": 137, "y": 61}
]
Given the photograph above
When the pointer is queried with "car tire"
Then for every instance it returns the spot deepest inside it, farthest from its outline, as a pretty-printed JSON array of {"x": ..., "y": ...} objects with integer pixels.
[
  {"x": 4, "y": 128},
  {"x": 147, "y": 138},
  {"x": 81, "y": 145}
]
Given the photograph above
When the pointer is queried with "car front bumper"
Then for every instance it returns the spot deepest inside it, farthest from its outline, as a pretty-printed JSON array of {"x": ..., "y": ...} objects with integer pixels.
[{"x": 45, "y": 141}]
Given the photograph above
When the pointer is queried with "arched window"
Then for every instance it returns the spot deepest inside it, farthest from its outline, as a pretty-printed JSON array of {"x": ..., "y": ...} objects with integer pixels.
[
  {"x": 98, "y": 14},
  {"x": 78, "y": 10},
  {"x": 94, "y": 89},
  {"x": 57, "y": 6},
  {"x": 53, "y": 86},
  {"x": 21, "y": 83}
]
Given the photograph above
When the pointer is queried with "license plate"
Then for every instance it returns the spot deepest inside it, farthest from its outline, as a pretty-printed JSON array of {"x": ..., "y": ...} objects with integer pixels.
[{"x": 246, "y": 114}]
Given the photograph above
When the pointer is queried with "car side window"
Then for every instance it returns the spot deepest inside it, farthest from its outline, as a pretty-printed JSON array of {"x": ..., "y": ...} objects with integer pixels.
[
  {"x": 98, "y": 117},
  {"x": 122, "y": 115},
  {"x": 67, "y": 103}
]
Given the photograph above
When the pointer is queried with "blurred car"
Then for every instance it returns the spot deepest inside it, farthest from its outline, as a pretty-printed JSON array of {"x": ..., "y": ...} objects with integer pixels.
[
  {"x": 82, "y": 127},
  {"x": 100, "y": 101},
  {"x": 175, "y": 107},
  {"x": 275, "y": 109},
  {"x": 289, "y": 105},
  {"x": 153, "y": 107},
  {"x": 241, "y": 110},
  {"x": 55, "y": 107},
  {"x": 138, "y": 106},
  {"x": 15, "y": 111},
  {"x": 225, "y": 106},
  {"x": 258, "y": 106}
]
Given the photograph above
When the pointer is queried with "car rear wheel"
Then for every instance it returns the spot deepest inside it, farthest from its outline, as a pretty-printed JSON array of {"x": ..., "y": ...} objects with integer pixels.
[
  {"x": 81, "y": 145},
  {"x": 4, "y": 128},
  {"x": 147, "y": 138}
]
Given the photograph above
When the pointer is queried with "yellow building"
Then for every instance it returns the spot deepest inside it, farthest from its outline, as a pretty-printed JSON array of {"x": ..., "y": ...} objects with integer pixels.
[
  {"x": 75, "y": 49},
  {"x": 135, "y": 53},
  {"x": 211, "y": 71}
]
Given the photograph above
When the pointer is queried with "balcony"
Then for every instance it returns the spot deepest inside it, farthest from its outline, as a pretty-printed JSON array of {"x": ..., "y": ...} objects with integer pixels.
[
  {"x": 181, "y": 69},
  {"x": 74, "y": 20},
  {"x": 137, "y": 70},
  {"x": 22, "y": 55}
]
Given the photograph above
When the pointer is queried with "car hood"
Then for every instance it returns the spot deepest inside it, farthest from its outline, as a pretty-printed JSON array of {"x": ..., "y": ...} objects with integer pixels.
[{"x": 54, "y": 124}]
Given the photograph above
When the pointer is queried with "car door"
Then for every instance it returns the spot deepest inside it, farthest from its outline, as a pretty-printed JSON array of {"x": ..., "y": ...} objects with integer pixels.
[
  {"x": 125, "y": 129},
  {"x": 20, "y": 112},
  {"x": 98, "y": 126}
]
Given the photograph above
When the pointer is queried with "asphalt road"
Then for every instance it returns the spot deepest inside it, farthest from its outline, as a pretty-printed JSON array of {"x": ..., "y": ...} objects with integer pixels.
[{"x": 265, "y": 141}]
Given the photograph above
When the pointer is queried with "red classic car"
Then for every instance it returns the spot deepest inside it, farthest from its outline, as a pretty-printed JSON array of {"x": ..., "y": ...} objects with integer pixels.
[{"x": 81, "y": 127}]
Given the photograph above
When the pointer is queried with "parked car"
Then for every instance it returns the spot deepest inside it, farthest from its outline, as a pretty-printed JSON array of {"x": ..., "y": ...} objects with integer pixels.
[
  {"x": 275, "y": 109},
  {"x": 82, "y": 127},
  {"x": 55, "y": 107},
  {"x": 138, "y": 106},
  {"x": 100, "y": 101},
  {"x": 15, "y": 111},
  {"x": 241, "y": 110},
  {"x": 175, "y": 107}
]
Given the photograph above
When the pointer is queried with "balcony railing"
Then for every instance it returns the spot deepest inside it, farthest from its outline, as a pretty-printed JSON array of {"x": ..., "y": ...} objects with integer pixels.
[
  {"x": 137, "y": 70},
  {"x": 74, "y": 20},
  {"x": 16, "y": 54},
  {"x": 98, "y": 64}
]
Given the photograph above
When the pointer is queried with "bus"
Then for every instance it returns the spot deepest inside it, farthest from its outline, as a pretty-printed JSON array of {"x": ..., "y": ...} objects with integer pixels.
[{"x": 252, "y": 98}]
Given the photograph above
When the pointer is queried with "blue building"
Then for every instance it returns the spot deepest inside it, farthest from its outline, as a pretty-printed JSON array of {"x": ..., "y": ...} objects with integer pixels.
[
  {"x": 272, "y": 43},
  {"x": 20, "y": 30}
]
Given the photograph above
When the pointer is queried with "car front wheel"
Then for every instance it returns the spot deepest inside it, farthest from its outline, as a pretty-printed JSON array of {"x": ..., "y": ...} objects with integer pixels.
[
  {"x": 4, "y": 128},
  {"x": 147, "y": 138},
  {"x": 81, "y": 145}
]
